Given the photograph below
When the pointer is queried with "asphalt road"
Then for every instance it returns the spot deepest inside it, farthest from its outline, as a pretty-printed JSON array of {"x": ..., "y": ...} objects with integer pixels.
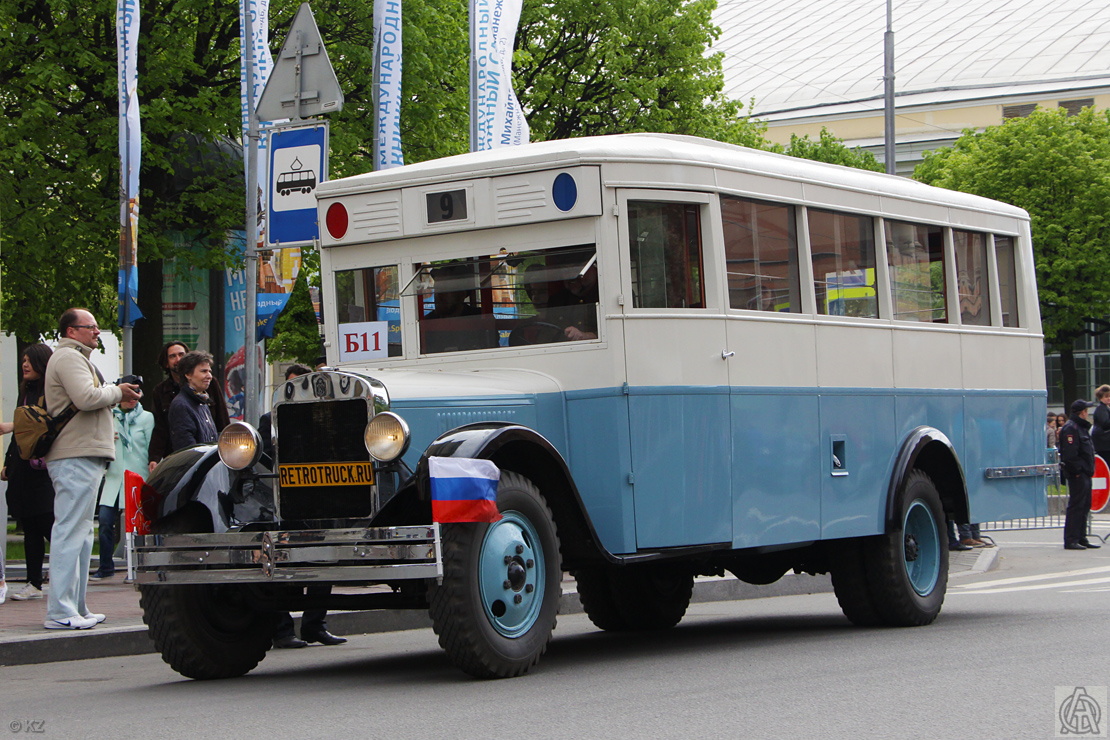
[{"x": 784, "y": 667}]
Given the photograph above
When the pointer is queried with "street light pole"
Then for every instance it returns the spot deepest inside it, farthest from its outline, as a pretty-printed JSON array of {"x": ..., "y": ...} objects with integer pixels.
[{"x": 888, "y": 91}]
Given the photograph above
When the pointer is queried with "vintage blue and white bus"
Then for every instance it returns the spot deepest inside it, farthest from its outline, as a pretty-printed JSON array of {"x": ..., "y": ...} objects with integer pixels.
[{"x": 684, "y": 358}]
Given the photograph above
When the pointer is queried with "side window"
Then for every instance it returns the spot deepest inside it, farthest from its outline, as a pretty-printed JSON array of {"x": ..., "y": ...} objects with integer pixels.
[
  {"x": 972, "y": 277},
  {"x": 843, "y": 248},
  {"x": 666, "y": 246},
  {"x": 1007, "y": 279},
  {"x": 761, "y": 255},
  {"x": 371, "y": 295},
  {"x": 915, "y": 254}
]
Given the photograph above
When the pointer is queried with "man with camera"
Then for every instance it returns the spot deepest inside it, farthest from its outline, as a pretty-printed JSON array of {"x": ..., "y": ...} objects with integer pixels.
[{"x": 76, "y": 463}]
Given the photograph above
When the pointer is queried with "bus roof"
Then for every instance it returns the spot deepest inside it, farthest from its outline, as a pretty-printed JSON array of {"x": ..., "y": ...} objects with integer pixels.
[{"x": 647, "y": 148}]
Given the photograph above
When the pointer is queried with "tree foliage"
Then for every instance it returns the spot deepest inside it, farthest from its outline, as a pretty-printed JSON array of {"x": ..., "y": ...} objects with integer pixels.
[
  {"x": 583, "y": 68},
  {"x": 828, "y": 148}
]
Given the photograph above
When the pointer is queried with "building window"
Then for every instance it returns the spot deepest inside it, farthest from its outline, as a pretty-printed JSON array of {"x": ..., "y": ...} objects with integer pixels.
[
  {"x": 1074, "y": 106},
  {"x": 1018, "y": 111},
  {"x": 761, "y": 252}
]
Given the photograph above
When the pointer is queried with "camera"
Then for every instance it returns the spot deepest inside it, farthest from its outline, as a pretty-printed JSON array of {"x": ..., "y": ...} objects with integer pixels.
[{"x": 132, "y": 379}]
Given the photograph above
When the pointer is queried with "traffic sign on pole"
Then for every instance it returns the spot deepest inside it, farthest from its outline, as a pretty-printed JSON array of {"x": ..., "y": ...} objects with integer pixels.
[
  {"x": 302, "y": 82},
  {"x": 298, "y": 164}
]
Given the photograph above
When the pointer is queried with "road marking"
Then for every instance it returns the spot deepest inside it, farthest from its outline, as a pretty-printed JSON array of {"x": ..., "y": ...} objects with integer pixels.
[
  {"x": 1041, "y": 577},
  {"x": 1034, "y": 587}
]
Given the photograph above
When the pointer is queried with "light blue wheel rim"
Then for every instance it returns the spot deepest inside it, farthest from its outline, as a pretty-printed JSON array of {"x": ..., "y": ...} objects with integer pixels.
[
  {"x": 511, "y": 574},
  {"x": 921, "y": 548}
]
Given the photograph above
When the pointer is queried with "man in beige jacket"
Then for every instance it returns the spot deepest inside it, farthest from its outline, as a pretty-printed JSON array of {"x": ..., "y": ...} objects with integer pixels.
[{"x": 76, "y": 464}]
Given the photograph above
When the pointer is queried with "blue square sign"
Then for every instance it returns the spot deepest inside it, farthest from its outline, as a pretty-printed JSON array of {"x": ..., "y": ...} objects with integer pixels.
[{"x": 298, "y": 163}]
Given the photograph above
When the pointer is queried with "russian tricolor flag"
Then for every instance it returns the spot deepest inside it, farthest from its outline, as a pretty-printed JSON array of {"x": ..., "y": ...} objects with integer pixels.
[{"x": 463, "y": 489}]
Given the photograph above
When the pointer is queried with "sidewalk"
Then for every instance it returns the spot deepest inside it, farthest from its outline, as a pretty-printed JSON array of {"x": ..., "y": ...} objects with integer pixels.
[{"x": 23, "y": 640}]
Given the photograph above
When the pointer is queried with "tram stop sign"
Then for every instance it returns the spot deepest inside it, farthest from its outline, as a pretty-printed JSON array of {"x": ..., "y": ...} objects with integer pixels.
[{"x": 1100, "y": 485}]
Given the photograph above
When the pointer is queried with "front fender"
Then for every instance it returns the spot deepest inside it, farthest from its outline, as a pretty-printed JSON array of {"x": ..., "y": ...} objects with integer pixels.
[
  {"x": 194, "y": 480},
  {"x": 511, "y": 447}
]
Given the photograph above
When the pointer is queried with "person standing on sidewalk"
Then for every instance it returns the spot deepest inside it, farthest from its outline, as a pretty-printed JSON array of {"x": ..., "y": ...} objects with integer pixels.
[
  {"x": 76, "y": 463},
  {"x": 133, "y": 425},
  {"x": 30, "y": 492},
  {"x": 162, "y": 397},
  {"x": 1077, "y": 456}
]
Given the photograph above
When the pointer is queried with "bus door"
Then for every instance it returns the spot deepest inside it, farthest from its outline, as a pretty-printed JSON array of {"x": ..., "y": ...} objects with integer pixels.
[
  {"x": 677, "y": 383},
  {"x": 772, "y": 369}
]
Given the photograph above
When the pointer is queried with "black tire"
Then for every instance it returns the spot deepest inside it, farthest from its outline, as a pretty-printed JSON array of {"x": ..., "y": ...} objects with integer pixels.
[
  {"x": 639, "y": 597},
  {"x": 908, "y": 571},
  {"x": 596, "y": 594},
  {"x": 206, "y": 632},
  {"x": 850, "y": 583},
  {"x": 495, "y": 610}
]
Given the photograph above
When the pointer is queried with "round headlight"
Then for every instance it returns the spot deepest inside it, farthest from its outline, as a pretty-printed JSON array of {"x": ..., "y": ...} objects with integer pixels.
[
  {"x": 240, "y": 445},
  {"x": 386, "y": 437}
]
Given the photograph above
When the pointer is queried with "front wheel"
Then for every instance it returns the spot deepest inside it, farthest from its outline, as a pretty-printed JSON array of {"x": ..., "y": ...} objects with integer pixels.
[
  {"x": 495, "y": 609},
  {"x": 206, "y": 632}
]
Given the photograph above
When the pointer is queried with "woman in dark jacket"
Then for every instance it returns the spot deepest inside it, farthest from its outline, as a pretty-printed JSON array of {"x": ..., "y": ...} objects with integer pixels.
[
  {"x": 30, "y": 493},
  {"x": 190, "y": 415}
]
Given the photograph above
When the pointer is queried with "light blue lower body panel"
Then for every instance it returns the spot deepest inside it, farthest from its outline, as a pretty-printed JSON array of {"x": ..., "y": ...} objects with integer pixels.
[
  {"x": 678, "y": 466},
  {"x": 681, "y": 466}
]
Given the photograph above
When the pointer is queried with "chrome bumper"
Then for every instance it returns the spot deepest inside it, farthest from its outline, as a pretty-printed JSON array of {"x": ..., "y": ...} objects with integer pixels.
[{"x": 329, "y": 555}]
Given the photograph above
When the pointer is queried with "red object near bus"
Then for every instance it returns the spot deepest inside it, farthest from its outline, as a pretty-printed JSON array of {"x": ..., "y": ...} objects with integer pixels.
[{"x": 1100, "y": 485}]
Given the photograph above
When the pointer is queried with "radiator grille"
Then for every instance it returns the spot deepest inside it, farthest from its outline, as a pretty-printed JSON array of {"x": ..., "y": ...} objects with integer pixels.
[{"x": 325, "y": 432}]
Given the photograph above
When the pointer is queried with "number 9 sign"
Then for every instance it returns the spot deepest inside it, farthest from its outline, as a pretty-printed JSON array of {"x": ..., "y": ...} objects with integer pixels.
[{"x": 366, "y": 340}]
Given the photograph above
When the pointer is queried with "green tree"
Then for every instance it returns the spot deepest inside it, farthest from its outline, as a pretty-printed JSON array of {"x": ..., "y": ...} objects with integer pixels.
[
  {"x": 619, "y": 66},
  {"x": 1057, "y": 167},
  {"x": 296, "y": 337},
  {"x": 828, "y": 148}
]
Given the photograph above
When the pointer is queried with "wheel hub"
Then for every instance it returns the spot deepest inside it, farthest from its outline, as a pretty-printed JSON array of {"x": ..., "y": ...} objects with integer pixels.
[
  {"x": 516, "y": 574},
  {"x": 913, "y": 550}
]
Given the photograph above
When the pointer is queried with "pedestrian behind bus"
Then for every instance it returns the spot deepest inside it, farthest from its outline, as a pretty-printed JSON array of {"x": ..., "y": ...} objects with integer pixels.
[{"x": 1077, "y": 456}]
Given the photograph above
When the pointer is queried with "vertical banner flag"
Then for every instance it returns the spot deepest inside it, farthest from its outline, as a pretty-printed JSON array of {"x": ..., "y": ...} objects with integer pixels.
[
  {"x": 130, "y": 154},
  {"x": 494, "y": 108},
  {"x": 387, "y": 84},
  {"x": 463, "y": 489},
  {"x": 254, "y": 29}
]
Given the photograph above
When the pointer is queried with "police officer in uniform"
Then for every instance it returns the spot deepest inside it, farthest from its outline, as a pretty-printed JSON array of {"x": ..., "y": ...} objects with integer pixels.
[{"x": 1077, "y": 454}]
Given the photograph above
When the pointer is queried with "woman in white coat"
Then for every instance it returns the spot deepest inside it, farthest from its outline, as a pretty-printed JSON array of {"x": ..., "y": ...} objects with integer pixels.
[{"x": 134, "y": 426}]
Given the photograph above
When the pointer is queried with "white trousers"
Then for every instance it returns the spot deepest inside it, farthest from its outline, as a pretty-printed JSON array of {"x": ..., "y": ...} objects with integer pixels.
[{"x": 76, "y": 484}]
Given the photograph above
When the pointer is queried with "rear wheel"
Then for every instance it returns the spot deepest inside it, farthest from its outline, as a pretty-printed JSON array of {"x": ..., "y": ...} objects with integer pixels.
[
  {"x": 909, "y": 573},
  {"x": 495, "y": 609},
  {"x": 898, "y": 578}
]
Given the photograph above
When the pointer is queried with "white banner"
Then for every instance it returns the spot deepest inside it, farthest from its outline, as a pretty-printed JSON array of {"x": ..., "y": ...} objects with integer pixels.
[
  {"x": 130, "y": 154},
  {"x": 387, "y": 84},
  {"x": 259, "y": 13},
  {"x": 494, "y": 108}
]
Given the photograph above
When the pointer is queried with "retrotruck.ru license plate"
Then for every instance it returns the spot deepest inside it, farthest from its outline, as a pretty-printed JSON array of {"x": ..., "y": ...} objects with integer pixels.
[{"x": 326, "y": 474}]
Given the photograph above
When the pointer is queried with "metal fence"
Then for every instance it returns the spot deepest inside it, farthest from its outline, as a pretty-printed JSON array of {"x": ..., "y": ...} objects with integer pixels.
[{"x": 1054, "y": 503}]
